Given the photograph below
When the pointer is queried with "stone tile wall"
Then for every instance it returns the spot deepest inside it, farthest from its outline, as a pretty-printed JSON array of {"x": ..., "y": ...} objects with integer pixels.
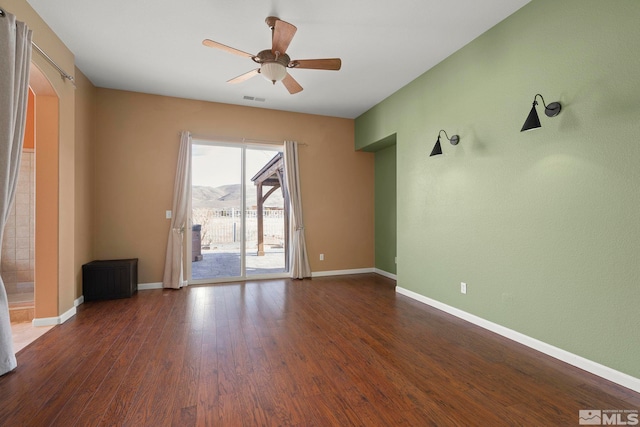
[{"x": 18, "y": 245}]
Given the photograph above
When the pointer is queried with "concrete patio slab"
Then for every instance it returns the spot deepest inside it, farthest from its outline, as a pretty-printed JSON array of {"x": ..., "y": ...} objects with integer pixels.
[{"x": 221, "y": 263}]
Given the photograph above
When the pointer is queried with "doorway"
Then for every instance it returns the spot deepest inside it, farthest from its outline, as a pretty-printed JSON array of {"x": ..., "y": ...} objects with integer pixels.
[
  {"x": 35, "y": 295},
  {"x": 239, "y": 212}
]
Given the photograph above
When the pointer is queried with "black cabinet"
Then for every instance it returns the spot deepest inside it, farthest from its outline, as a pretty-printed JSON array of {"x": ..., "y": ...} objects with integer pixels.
[{"x": 110, "y": 279}]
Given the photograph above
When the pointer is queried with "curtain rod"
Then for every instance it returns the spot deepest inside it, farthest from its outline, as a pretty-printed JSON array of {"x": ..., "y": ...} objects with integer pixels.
[
  {"x": 63, "y": 73},
  {"x": 236, "y": 139}
]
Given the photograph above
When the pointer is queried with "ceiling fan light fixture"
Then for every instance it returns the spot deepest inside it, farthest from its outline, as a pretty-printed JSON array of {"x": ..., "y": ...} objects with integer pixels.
[{"x": 273, "y": 71}]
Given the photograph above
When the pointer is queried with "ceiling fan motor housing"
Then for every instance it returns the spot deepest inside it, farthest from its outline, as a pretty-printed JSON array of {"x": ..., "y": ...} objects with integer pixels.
[{"x": 268, "y": 56}]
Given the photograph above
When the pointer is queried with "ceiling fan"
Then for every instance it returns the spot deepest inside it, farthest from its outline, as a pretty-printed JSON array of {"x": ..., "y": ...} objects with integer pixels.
[{"x": 275, "y": 61}]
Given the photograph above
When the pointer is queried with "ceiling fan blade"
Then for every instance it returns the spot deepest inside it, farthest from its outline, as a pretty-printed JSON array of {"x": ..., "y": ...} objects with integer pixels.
[
  {"x": 317, "y": 64},
  {"x": 291, "y": 84},
  {"x": 283, "y": 32},
  {"x": 211, "y": 43},
  {"x": 245, "y": 76}
]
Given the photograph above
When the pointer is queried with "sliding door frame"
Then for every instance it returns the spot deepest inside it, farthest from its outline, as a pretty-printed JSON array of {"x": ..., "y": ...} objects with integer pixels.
[{"x": 243, "y": 146}]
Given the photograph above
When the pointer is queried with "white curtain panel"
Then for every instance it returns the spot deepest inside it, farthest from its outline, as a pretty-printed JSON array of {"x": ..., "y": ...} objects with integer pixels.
[
  {"x": 15, "y": 60},
  {"x": 298, "y": 252},
  {"x": 174, "y": 264}
]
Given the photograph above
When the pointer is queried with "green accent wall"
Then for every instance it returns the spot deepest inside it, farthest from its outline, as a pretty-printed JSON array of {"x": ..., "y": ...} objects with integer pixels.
[
  {"x": 543, "y": 226},
  {"x": 385, "y": 214}
]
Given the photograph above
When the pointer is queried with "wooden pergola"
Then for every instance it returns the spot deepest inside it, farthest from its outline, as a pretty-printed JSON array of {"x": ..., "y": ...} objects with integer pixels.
[{"x": 271, "y": 175}]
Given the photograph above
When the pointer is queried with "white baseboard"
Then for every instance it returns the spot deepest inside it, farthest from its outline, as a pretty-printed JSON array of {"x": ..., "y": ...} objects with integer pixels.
[
  {"x": 78, "y": 301},
  {"x": 58, "y": 320},
  {"x": 158, "y": 285},
  {"x": 595, "y": 368},
  {"x": 147, "y": 286},
  {"x": 385, "y": 274},
  {"x": 342, "y": 272}
]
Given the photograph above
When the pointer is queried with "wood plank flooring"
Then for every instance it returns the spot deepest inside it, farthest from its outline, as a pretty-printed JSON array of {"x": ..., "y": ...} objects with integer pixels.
[{"x": 336, "y": 351}]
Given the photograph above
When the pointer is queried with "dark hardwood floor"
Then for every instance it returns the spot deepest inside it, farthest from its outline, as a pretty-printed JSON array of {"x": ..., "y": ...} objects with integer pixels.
[{"x": 329, "y": 351}]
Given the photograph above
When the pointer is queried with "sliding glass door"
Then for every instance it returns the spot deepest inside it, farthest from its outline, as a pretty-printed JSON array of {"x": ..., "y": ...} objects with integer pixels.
[
  {"x": 239, "y": 215},
  {"x": 266, "y": 217},
  {"x": 216, "y": 208}
]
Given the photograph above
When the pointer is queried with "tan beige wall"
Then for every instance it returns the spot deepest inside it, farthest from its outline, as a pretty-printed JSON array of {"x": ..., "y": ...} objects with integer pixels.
[
  {"x": 47, "y": 267},
  {"x": 135, "y": 153},
  {"x": 85, "y": 93},
  {"x": 64, "y": 169}
]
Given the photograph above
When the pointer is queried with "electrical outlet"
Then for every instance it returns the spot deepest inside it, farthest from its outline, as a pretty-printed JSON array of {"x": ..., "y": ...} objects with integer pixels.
[
  {"x": 463, "y": 288},
  {"x": 321, "y": 257},
  {"x": 167, "y": 214}
]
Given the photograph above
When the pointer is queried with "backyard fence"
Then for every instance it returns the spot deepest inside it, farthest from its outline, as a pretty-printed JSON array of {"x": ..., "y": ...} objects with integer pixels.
[{"x": 221, "y": 226}]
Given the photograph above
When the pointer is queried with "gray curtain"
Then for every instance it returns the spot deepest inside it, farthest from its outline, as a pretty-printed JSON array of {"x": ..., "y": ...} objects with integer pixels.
[
  {"x": 298, "y": 253},
  {"x": 174, "y": 265},
  {"x": 15, "y": 60}
]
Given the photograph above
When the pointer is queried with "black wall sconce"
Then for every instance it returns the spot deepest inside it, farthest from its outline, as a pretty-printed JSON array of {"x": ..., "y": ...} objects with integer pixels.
[
  {"x": 437, "y": 149},
  {"x": 533, "y": 121}
]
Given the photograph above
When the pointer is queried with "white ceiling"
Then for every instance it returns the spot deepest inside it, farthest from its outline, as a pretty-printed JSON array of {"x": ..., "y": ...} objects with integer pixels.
[{"x": 155, "y": 46}]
